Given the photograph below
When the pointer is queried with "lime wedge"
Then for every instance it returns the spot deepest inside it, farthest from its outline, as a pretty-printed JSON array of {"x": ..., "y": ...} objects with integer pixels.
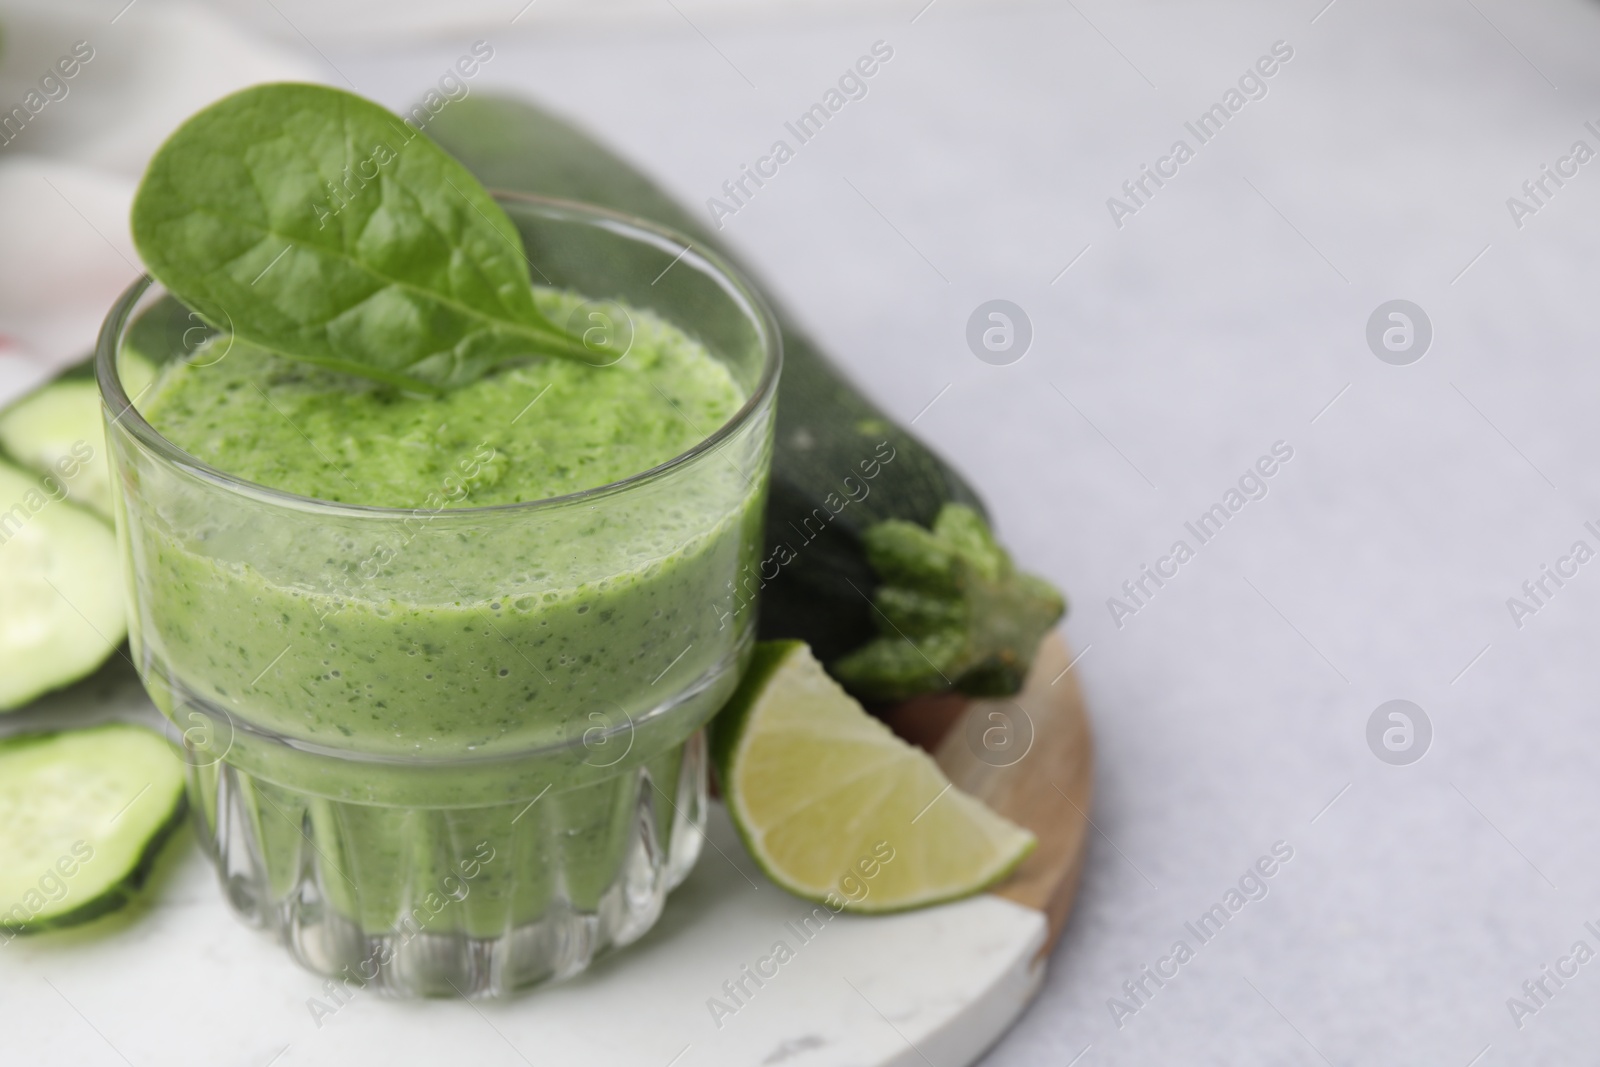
[{"x": 836, "y": 808}]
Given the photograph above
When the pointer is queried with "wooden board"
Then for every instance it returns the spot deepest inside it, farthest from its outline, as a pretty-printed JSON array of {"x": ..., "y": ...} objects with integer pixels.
[
  {"x": 1049, "y": 790},
  {"x": 1045, "y": 784}
]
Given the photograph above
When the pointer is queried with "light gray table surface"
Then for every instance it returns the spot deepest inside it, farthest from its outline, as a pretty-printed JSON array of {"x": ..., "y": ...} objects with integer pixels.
[{"x": 1229, "y": 313}]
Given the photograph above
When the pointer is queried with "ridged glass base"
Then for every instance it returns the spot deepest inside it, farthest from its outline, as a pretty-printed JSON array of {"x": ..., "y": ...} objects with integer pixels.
[{"x": 473, "y": 901}]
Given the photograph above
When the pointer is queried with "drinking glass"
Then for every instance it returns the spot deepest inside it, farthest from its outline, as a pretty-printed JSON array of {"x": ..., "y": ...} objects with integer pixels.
[{"x": 445, "y": 750}]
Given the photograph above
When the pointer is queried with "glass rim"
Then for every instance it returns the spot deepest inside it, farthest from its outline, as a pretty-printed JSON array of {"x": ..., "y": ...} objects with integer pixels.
[{"x": 731, "y": 279}]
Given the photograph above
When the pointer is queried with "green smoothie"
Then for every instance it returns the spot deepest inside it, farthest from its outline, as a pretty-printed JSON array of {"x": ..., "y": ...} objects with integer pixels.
[
  {"x": 535, "y": 430},
  {"x": 472, "y": 663},
  {"x": 440, "y": 524}
]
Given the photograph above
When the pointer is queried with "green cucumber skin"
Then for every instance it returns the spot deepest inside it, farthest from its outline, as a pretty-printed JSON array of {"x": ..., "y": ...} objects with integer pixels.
[
  {"x": 127, "y": 889},
  {"x": 117, "y": 897},
  {"x": 822, "y": 595}
]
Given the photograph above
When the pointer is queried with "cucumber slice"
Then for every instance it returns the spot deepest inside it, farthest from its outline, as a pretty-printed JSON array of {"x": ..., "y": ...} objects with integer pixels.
[
  {"x": 56, "y": 431},
  {"x": 61, "y": 597},
  {"x": 83, "y": 815}
]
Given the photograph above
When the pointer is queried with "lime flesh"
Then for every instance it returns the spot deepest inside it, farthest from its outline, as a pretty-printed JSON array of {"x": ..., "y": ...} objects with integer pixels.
[{"x": 835, "y": 808}]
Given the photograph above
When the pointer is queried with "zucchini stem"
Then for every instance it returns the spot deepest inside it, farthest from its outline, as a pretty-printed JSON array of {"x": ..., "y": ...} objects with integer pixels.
[{"x": 952, "y": 612}]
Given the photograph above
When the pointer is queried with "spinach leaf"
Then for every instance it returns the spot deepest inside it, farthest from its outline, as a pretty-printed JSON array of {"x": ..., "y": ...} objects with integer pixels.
[{"x": 314, "y": 223}]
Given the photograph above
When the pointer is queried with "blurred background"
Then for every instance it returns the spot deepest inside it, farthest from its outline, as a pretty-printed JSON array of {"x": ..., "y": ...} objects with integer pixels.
[{"x": 1440, "y": 450}]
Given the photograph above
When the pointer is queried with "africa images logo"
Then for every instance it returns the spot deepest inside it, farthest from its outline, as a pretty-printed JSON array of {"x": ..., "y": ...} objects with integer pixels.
[
  {"x": 1252, "y": 485},
  {"x": 851, "y": 86},
  {"x": 1252, "y": 85}
]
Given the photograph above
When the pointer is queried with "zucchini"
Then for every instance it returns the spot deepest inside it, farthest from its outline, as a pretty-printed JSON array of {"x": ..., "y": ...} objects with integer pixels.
[
  {"x": 846, "y": 479},
  {"x": 83, "y": 815},
  {"x": 61, "y": 591}
]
